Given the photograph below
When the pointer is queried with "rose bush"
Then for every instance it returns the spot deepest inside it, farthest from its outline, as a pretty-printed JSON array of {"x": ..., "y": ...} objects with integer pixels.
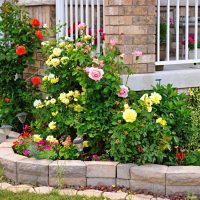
[{"x": 17, "y": 47}]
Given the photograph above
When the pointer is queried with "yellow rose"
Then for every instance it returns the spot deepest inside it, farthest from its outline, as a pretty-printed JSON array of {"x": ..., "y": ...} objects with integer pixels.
[
  {"x": 50, "y": 138},
  {"x": 161, "y": 121},
  {"x": 85, "y": 144},
  {"x": 65, "y": 101},
  {"x": 78, "y": 108},
  {"x": 69, "y": 46},
  {"x": 54, "y": 113},
  {"x": 47, "y": 102},
  {"x": 61, "y": 44},
  {"x": 76, "y": 93},
  {"x": 53, "y": 101},
  {"x": 126, "y": 106},
  {"x": 70, "y": 93},
  {"x": 51, "y": 56},
  {"x": 55, "y": 62},
  {"x": 64, "y": 60},
  {"x": 52, "y": 125},
  {"x": 45, "y": 78},
  {"x": 54, "y": 80},
  {"x": 144, "y": 96},
  {"x": 87, "y": 38},
  {"x": 149, "y": 108},
  {"x": 37, "y": 138},
  {"x": 48, "y": 63},
  {"x": 129, "y": 115},
  {"x": 57, "y": 52},
  {"x": 62, "y": 96},
  {"x": 148, "y": 102},
  {"x": 155, "y": 98}
]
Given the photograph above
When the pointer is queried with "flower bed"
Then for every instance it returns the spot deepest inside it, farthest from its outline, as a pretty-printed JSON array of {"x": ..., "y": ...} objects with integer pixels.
[{"x": 156, "y": 178}]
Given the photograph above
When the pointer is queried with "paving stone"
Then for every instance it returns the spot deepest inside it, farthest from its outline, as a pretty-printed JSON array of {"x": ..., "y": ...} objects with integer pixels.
[
  {"x": 101, "y": 181},
  {"x": 4, "y": 185},
  {"x": 115, "y": 195},
  {"x": 145, "y": 185},
  {"x": 2, "y": 138},
  {"x": 70, "y": 172},
  {"x": 123, "y": 170},
  {"x": 183, "y": 176},
  {"x": 139, "y": 197},
  {"x": 33, "y": 171},
  {"x": 90, "y": 193},
  {"x": 6, "y": 151},
  {"x": 20, "y": 188},
  {"x": 101, "y": 169},
  {"x": 9, "y": 163},
  {"x": 149, "y": 173},
  {"x": 68, "y": 192},
  {"x": 13, "y": 135},
  {"x": 123, "y": 182},
  {"x": 43, "y": 190}
]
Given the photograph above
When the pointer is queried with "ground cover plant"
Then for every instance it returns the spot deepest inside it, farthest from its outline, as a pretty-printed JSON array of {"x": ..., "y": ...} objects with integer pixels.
[{"x": 85, "y": 98}]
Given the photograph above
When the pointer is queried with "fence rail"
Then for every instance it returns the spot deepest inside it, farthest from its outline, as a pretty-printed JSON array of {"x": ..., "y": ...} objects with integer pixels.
[
  {"x": 186, "y": 32},
  {"x": 73, "y": 12}
]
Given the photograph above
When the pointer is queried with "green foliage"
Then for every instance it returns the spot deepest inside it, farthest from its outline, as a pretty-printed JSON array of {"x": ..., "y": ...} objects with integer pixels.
[
  {"x": 15, "y": 25},
  {"x": 163, "y": 31}
]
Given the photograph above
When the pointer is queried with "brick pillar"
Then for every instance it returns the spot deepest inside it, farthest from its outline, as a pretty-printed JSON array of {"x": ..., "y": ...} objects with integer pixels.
[{"x": 132, "y": 23}]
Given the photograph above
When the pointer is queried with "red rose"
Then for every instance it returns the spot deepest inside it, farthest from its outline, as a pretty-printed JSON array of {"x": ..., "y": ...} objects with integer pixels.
[
  {"x": 39, "y": 34},
  {"x": 35, "y": 80},
  {"x": 21, "y": 50},
  {"x": 7, "y": 100},
  {"x": 35, "y": 22}
]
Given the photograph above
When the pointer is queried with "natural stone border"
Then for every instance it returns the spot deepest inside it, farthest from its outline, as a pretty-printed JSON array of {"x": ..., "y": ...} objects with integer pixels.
[{"x": 156, "y": 178}]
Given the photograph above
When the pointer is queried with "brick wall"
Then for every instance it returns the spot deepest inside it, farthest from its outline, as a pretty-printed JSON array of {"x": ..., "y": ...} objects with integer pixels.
[{"x": 132, "y": 24}]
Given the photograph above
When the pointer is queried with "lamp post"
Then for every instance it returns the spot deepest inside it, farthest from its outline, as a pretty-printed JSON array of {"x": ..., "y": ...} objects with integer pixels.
[
  {"x": 22, "y": 118},
  {"x": 78, "y": 141}
]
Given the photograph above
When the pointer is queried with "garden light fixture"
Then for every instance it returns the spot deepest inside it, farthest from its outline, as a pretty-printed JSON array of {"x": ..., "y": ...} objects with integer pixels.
[
  {"x": 78, "y": 141},
  {"x": 22, "y": 117}
]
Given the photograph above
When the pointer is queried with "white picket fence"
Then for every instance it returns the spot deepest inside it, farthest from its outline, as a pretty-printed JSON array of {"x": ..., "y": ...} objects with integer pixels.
[
  {"x": 184, "y": 22},
  {"x": 73, "y": 12}
]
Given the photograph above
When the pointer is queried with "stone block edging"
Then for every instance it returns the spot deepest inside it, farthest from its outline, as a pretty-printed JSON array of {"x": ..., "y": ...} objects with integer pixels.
[{"x": 156, "y": 178}]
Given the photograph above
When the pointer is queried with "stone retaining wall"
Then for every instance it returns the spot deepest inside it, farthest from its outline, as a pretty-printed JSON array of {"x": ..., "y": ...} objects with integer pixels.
[{"x": 156, "y": 178}]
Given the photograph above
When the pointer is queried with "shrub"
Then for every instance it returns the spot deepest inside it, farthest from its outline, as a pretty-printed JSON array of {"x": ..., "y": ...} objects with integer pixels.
[{"x": 17, "y": 47}]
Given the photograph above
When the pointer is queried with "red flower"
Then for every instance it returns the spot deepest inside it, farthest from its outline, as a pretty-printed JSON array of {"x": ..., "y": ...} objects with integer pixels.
[
  {"x": 180, "y": 156},
  {"x": 35, "y": 80},
  {"x": 7, "y": 100},
  {"x": 35, "y": 22},
  {"x": 39, "y": 35},
  {"x": 20, "y": 50}
]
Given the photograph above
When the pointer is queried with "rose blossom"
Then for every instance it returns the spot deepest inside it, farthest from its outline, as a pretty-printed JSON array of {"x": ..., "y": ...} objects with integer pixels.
[
  {"x": 87, "y": 48},
  {"x": 47, "y": 147},
  {"x": 20, "y": 50},
  {"x": 137, "y": 53},
  {"x": 39, "y": 35},
  {"x": 123, "y": 91},
  {"x": 35, "y": 80},
  {"x": 35, "y": 22},
  {"x": 81, "y": 26},
  {"x": 79, "y": 44},
  {"x": 87, "y": 69},
  {"x": 7, "y": 100},
  {"x": 112, "y": 42},
  {"x": 95, "y": 73}
]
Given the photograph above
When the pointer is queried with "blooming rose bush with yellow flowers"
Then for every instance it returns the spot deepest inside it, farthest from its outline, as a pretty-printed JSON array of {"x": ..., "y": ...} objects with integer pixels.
[{"x": 85, "y": 97}]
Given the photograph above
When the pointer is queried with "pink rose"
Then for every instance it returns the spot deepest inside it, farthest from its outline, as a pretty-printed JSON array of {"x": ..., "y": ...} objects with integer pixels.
[
  {"x": 86, "y": 70},
  {"x": 79, "y": 44},
  {"x": 87, "y": 48},
  {"x": 95, "y": 73},
  {"x": 81, "y": 26},
  {"x": 137, "y": 53},
  {"x": 123, "y": 91},
  {"x": 112, "y": 42}
]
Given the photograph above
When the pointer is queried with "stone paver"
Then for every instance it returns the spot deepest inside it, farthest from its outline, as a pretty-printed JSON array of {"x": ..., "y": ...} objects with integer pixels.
[
  {"x": 4, "y": 185},
  {"x": 123, "y": 182},
  {"x": 139, "y": 197},
  {"x": 101, "y": 169},
  {"x": 6, "y": 145},
  {"x": 33, "y": 171},
  {"x": 43, "y": 190},
  {"x": 90, "y": 193},
  {"x": 73, "y": 173},
  {"x": 20, "y": 188},
  {"x": 68, "y": 192},
  {"x": 115, "y": 195}
]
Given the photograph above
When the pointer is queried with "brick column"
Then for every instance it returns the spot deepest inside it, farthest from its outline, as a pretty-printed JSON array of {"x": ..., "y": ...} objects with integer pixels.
[{"x": 132, "y": 23}]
